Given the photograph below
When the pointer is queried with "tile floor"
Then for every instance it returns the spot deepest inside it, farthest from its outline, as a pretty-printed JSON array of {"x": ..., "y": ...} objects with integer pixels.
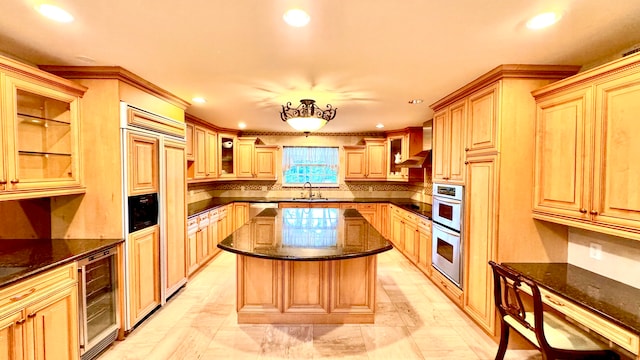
[{"x": 414, "y": 320}]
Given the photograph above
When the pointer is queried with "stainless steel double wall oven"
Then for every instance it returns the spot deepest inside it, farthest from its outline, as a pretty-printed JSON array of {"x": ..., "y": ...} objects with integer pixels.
[{"x": 447, "y": 228}]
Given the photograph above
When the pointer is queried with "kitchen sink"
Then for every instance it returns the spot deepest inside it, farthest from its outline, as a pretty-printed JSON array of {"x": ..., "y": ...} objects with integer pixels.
[{"x": 308, "y": 199}]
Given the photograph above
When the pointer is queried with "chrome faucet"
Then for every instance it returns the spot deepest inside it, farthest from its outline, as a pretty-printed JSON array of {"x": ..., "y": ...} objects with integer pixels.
[{"x": 310, "y": 195}]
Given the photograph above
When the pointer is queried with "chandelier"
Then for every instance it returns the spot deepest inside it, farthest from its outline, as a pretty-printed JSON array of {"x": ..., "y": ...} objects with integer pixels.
[{"x": 307, "y": 117}]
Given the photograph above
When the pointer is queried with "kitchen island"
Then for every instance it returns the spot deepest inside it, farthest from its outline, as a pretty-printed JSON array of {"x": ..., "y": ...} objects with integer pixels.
[{"x": 311, "y": 266}]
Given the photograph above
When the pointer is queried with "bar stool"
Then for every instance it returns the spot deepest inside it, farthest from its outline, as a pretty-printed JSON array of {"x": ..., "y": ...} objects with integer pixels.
[{"x": 554, "y": 337}]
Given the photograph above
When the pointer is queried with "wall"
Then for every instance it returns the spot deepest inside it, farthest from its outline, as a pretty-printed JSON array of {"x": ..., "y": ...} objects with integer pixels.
[
  {"x": 25, "y": 219},
  {"x": 416, "y": 191},
  {"x": 620, "y": 257}
]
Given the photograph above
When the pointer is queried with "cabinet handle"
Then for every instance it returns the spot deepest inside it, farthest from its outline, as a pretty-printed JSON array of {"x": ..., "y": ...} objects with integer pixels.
[
  {"x": 466, "y": 149},
  {"x": 20, "y": 297},
  {"x": 553, "y": 301},
  {"x": 583, "y": 210},
  {"x": 3, "y": 182},
  {"x": 21, "y": 321},
  {"x": 466, "y": 163},
  {"x": 15, "y": 181},
  {"x": 32, "y": 315},
  {"x": 593, "y": 212}
]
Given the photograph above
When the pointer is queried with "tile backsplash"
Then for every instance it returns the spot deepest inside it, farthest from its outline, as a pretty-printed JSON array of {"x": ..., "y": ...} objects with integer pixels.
[
  {"x": 620, "y": 257},
  {"x": 419, "y": 192}
]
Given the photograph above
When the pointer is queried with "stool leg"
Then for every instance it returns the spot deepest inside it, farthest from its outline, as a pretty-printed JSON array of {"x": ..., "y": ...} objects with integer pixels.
[{"x": 504, "y": 340}]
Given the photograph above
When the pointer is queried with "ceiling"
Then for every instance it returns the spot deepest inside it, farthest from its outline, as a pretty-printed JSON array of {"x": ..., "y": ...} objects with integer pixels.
[{"x": 367, "y": 58}]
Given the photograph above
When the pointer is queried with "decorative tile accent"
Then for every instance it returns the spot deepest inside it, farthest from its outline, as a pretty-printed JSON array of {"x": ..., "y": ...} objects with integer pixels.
[{"x": 273, "y": 133}]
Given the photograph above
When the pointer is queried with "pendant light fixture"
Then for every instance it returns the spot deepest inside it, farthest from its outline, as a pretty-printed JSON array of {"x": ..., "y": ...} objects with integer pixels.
[{"x": 307, "y": 117}]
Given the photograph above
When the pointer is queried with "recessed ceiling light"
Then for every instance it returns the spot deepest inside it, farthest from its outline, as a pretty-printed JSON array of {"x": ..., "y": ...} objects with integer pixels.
[
  {"x": 416, "y": 101},
  {"x": 379, "y": 126},
  {"x": 543, "y": 20},
  {"x": 54, "y": 13},
  {"x": 242, "y": 125},
  {"x": 199, "y": 100},
  {"x": 296, "y": 17}
]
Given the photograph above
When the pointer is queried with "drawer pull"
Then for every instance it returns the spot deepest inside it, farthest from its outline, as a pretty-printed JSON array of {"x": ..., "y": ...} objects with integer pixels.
[
  {"x": 20, "y": 322},
  {"x": 553, "y": 301},
  {"x": 20, "y": 297},
  {"x": 32, "y": 315}
]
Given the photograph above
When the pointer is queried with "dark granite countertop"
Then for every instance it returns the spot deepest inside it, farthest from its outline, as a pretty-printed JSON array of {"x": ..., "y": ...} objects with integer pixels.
[
  {"x": 21, "y": 258},
  {"x": 613, "y": 300},
  {"x": 416, "y": 207},
  {"x": 306, "y": 234}
]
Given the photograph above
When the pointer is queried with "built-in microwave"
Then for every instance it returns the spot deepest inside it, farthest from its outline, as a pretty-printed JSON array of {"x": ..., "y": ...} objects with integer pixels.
[{"x": 143, "y": 211}]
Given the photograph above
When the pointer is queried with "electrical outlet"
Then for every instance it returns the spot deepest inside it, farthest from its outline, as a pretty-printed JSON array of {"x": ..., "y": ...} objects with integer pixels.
[{"x": 595, "y": 251}]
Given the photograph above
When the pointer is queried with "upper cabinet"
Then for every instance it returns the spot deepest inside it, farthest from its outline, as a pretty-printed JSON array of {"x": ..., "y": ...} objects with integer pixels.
[
  {"x": 228, "y": 153},
  {"x": 586, "y": 173},
  {"x": 448, "y": 143},
  {"x": 39, "y": 133},
  {"x": 402, "y": 144},
  {"x": 366, "y": 162}
]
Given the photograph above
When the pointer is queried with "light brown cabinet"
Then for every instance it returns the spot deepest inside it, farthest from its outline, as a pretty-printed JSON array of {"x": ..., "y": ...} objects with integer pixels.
[
  {"x": 228, "y": 155},
  {"x": 585, "y": 173},
  {"x": 175, "y": 215},
  {"x": 39, "y": 133},
  {"x": 144, "y": 288},
  {"x": 256, "y": 161},
  {"x": 240, "y": 214},
  {"x": 41, "y": 313},
  {"x": 425, "y": 245},
  {"x": 143, "y": 164},
  {"x": 205, "y": 149},
  {"x": 189, "y": 134},
  {"x": 448, "y": 143},
  {"x": 402, "y": 144},
  {"x": 192, "y": 245},
  {"x": 366, "y": 162},
  {"x": 485, "y": 132}
]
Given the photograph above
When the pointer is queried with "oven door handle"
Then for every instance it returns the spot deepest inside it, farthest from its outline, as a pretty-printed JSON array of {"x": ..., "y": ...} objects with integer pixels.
[{"x": 445, "y": 230}]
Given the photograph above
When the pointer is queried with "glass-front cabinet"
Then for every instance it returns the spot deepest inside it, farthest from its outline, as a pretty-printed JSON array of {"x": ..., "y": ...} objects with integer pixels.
[
  {"x": 227, "y": 158},
  {"x": 40, "y": 135},
  {"x": 397, "y": 153}
]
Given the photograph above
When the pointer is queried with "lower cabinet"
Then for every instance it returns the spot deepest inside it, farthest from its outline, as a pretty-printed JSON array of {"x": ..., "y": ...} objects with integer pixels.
[
  {"x": 192, "y": 245},
  {"x": 144, "y": 273},
  {"x": 424, "y": 241},
  {"x": 41, "y": 313}
]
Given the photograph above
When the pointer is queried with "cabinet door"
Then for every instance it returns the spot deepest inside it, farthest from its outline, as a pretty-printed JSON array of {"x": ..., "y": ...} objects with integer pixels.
[
  {"x": 41, "y": 138},
  {"x": 456, "y": 143},
  {"x": 376, "y": 164},
  {"x": 143, "y": 164},
  {"x": 192, "y": 252},
  {"x": 200, "y": 142},
  {"x": 562, "y": 155},
  {"x": 616, "y": 199},
  {"x": 175, "y": 215},
  {"x": 190, "y": 142},
  {"x": 424, "y": 241},
  {"x": 213, "y": 233},
  {"x": 411, "y": 246},
  {"x": 397, "y": 152},
  {"x": 211, "y": 149},
  {"x": 245, "y": 158},
  {"x": 482, "y": 122},
  {"x": 440, "y": 143},
  {"x": 227, "y": 156},
  {"x": 355, "y": 163},
  {"x": 397, "y": 231},
  {"x": 12, "y": 336},
  {"x": 480, "y": 240},
  {"x": 384, "y": 219},
  {"x": 52, "y": 327},
  {"x": 240, "y": 215},
  {"x": 144, "y": 276},
  {"x": 265, "y": 162}
]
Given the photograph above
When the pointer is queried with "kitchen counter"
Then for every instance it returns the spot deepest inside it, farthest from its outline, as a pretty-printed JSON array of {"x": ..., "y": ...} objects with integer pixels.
[
  {"x": 21, "y": 258},
  {"x": 416, "y": 207},
  {"x": 610, "y": 299},
  {"x": 306, "y": 235}
]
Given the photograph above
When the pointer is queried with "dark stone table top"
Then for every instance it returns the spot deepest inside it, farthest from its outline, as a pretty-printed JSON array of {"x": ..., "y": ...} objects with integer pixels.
[
  {"x": 21, "y": 258},
  {"x": 611, "y": 299},
  {"x": 306, "y": 234},
  {"x": 416, "y": 207}
]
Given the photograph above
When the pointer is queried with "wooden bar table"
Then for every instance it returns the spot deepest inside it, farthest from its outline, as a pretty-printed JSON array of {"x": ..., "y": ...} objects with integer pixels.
[{"x": 306, "y": 266}]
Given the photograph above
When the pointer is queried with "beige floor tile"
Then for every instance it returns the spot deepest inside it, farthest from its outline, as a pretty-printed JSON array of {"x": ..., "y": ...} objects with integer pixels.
[{"x": 385, "y": 342}]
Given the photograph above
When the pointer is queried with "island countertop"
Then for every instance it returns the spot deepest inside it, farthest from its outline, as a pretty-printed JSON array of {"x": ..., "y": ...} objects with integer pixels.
[{"x": 306, "y": 234}]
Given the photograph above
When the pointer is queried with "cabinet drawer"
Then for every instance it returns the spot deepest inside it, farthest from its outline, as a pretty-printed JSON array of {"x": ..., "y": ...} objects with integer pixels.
[
  {"x": 366, "y": 207},
  {"x": 424, "y": 223},
  {"x": 192, "y": 224},
  {"x": 213, "y": 213},
  {"x": 626, "y": 339},
  {"x": 203, "y": 220},
  {"x": 37, "y": 286},
  {"x": 447, "y": 287},
  {"x": 348, "y": 206},
  {"x": 411, "y": 217}
]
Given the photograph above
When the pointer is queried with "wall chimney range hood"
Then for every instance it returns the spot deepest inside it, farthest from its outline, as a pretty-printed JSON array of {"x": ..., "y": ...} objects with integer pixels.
[{"x": 417, "y": 161}]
